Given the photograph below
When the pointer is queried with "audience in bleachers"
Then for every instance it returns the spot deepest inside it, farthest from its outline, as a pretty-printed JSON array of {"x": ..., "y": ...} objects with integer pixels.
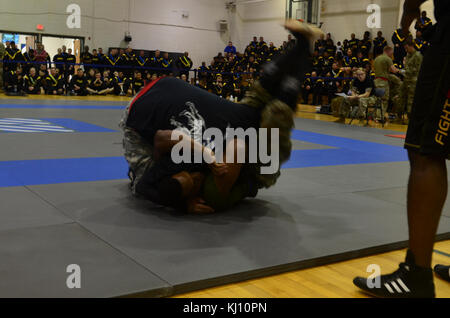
[{"x": 229, "y": 74}]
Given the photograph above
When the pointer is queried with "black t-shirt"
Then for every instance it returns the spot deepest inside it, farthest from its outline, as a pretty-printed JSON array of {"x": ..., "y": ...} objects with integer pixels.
[
  {"x": 361, "y": 87},
  {"x": 441, "y": 10},
  {"x": 172, "y": 103}
]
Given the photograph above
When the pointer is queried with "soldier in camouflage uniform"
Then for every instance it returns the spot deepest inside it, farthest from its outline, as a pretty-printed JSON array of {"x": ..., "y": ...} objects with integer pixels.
[
  {"x": 384, "y": 79},
  {"x": 362, "y": 89},
  {"x": 411, "y": 72},
  {"x": 2, "y": 54},
  {"x": 274, "y": 97}
]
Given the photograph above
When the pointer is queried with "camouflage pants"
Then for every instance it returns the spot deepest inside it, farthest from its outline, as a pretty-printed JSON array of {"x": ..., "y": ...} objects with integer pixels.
[
  {"x": 274, "y": 114},
  {"x": 138, "y": 152},
  {"x": 356, "y": 108},
  {"x": 392, "y": 92},
  {"x": 406, "y": 97},
  {"x": 336, "y": 105},
  {"x": 380, "y": 83}
]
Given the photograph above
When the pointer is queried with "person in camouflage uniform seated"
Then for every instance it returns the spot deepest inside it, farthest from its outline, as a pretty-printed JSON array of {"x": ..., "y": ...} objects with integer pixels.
[
  {"x": 362, "y": 89},
  {"x": 148, "y": 125}
]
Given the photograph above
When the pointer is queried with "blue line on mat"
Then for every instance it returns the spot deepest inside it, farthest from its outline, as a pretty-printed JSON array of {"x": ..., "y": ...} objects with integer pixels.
[{"x": 53, "y": 171}]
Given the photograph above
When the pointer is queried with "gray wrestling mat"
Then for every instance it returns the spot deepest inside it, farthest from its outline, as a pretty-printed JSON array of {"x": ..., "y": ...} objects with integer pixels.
[{"x": 317, "y": 214}]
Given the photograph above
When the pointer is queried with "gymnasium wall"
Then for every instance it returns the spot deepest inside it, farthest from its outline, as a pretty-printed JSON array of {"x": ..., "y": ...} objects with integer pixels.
[
  {"x": 261, "y": 19},
  {"x": 343, "y": 17},
  {"x": 153, "y": 24}
]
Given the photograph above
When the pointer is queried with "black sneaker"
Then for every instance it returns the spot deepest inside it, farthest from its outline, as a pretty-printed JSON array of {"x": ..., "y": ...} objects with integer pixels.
[
  {"x": 409, "y": 281},
  {"x": 443, "y": 272}
]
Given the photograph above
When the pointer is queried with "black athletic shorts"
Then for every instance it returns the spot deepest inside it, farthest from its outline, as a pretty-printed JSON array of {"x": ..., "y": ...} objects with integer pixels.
[{"x": 429, "y": 127}]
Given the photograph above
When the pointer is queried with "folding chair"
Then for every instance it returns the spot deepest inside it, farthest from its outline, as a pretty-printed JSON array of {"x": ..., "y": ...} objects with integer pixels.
[{"x": 379, "y": 94}]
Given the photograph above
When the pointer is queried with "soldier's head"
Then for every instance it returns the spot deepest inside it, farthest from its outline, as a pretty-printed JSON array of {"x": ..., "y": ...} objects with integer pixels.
[
  {"x": 389, "y": 51},
  {"x": 154, "y": 77},
  {"x": 166, "y": 55},
  {"x": 255, "y": 39},
  {"x": 184, "y": 77},
  {"x": 59, "y": 51},
  {"x": 129, "y": 49},
  {"x": 91, "y": 72},
  {"x": 366, "y": 35},
  {"x": 157, "y": 53},
  {"x": 335, "y": 66},
  {"x": 261, "y": 39},
  {"x": 13, "y": 44},
  {"x": 186, "y": 54},
  {"x": 33, "y": 71},
  {"x": 326, "y": 54},
  {"x": 360, "y": 74},
  {"x": 349, "y": 52},
  {"x": 380, "y": 34},
  {"x": 409, "y": 46},
  {"x": 98, "y": 75},
  {"x": 418, "y": 34},
  {"x": 114, "y": 52},
  {"x": 289, "y": 37},
  {"x": 230, "y": 44},
  {"x": 53, "y": 71},
  {"x": 105, "y": 75},
  {"x": 122, "y": 52},
  {"x": 64, "y": 49},
  {"x": 353, "y": 36},
  {"x": 94, "y": 52},
  {"x": 86, "y": 49},
  {"x": 8, "y": 44},
  {"x": 424, "y": 14},
  {"x": 69, "y": 51},
  {"x": 359, "y": 54},
  {"x": 80, "y": 72},
  {"x": 100, "y": 50},
  {"x": 18, "y": 70},
  {"x": 313, "y": 74},
  {"x": 142, "y": 53},
  {"x": 138, "y": 75}
]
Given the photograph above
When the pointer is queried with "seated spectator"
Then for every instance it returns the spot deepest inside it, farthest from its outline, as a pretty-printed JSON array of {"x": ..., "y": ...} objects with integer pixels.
[
  {"x": 362, "y": 96},
  {"x": 121, "y": 83},
  {"x": 96, "y": 86},
  {"x": 78, "y": 84},
  {"x": 54, "y": 83},
  {"x": 32, "y": 82},
  {"x": 14, "y": 81},
  {"x": 136, "y": 85},
  {"x": 230, "y": 48}
]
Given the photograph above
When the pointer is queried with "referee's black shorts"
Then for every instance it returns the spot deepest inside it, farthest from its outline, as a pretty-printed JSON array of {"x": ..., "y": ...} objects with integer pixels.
[{"x": 429, "y": 127}]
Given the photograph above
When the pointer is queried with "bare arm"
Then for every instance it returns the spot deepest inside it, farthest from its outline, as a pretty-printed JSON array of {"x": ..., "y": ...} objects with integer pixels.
[
  {"x": 411, "y": 11},
  {"x": 163, "y": 143},
  {"x": 394, "y": 70}
]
